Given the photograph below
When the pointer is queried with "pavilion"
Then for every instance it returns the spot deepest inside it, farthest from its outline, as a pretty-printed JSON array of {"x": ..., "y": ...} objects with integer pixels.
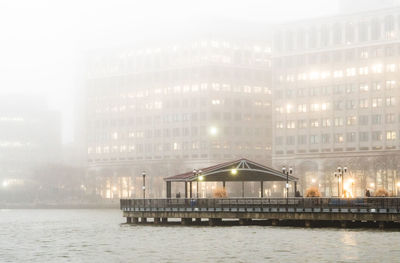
[{"x": 242, "y": 170}]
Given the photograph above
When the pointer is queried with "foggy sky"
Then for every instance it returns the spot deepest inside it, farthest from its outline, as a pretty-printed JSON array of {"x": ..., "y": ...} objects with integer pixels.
[{"x": 43, "y": 42}]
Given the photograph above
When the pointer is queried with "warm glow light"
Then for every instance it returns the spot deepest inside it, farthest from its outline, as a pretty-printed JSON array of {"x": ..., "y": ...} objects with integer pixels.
[
  {"x": 5, "y": 183},
  {"x": 289, "y": 108},
  {"x": 398, "y": 184},
  {"x": 201, "y": 178},
  {"x": 372, "y": 184},
  {"x": 274, "y": 186},
  {"x": 213, "y": 130},
  {"x": 347, "y": 190},
  {"x": 234, "y": 171},
  {"x": 313, "y": 180}
]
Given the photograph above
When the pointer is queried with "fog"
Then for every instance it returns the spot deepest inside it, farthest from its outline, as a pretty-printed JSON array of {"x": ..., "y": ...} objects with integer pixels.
[
  {"x": 45, "y": 42},
  {"x": 94, "y": 93}
]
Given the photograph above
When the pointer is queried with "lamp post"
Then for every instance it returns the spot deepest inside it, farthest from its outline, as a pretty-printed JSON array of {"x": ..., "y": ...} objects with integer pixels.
[
  {"x": 340, "y": 175},
  {"x": 287, "y": 173},
  {"x": 199, "y": 177},
  {"x": 144, "y": 184}
]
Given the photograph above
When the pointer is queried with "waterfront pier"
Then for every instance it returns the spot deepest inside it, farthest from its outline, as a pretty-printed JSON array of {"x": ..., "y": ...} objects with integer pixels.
[
  {"x": 341, "y": 212},
  {"x": 298, "y": 211}
]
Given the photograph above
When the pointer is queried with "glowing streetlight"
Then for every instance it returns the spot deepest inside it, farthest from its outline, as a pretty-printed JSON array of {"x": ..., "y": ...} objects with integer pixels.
[
  {"x": 5, "y": 183},
  {"x": 234, "y": 172},
  {"x": 213, "y": 130}
]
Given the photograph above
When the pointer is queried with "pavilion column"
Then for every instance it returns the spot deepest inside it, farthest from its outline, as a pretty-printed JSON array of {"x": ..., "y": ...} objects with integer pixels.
[
  {"x": 262, "y": 188},
  {"x": 186, "y": 190},
  {"x": 242, "y": 188},
  {"x": 295, "y": 187},
  {"x": 168, "y": 189},
  {"x": 191, "y": 190},
  {"x": 223, "y": 184}
]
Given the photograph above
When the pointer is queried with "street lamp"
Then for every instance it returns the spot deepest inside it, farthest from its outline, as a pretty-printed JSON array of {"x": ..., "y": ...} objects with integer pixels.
[
  {"x": 287, "y": 173},
  {"x": 199, "y": 177},
  {"x": 144, "y": 184},
  {"x": 340, "y": 174}
]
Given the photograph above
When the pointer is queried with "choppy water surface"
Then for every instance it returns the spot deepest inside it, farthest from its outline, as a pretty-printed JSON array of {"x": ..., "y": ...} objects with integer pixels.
[{"x": 99, "y": 236}]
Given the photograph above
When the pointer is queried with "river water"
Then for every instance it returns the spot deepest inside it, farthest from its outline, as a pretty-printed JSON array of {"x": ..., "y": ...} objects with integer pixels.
[{"x": 101, "y": 236}]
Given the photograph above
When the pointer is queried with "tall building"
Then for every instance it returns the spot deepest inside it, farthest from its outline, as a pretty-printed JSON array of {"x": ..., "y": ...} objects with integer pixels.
[
  {"x": 174, "y": 107},
  {"x": 30, "y": 137},
  {"x": 336, "y": 99}
]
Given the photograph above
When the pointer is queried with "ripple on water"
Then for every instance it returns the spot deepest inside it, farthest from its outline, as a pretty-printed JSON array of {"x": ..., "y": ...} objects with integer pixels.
[{"x": 99, "y": 236}]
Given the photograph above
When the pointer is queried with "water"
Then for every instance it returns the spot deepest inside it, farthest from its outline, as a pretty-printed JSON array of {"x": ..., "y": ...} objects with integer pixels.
[{"x": 99, "y": 236}]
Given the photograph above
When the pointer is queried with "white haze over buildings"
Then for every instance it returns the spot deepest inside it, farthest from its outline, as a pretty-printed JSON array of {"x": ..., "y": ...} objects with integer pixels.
[{"x": 43, "y": 42}]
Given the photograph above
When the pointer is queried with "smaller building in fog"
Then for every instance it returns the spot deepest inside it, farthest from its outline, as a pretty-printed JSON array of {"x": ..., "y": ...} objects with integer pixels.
[{"x": 30, "y": 136}]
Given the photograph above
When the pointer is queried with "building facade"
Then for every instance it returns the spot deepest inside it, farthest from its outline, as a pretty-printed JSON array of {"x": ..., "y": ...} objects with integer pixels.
[
  {"x": 337, "y": 100},
  {"x": 30, "y": 137},
  {"x": 175, "y": 107}
]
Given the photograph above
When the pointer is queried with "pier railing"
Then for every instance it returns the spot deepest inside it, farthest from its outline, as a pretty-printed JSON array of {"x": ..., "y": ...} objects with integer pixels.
[{"x": 291, "y": 205}]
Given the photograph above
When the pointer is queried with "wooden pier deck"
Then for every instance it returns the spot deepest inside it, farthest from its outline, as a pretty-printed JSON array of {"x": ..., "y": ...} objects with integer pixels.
[{"x": 276, "y": 211}]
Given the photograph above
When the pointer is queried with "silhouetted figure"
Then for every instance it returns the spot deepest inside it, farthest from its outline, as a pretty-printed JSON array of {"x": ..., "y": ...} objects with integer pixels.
[
  {"x": 297, "y": 194},
  {"x": 367, "y": 193},
  {"x": 178, "y": 195}
]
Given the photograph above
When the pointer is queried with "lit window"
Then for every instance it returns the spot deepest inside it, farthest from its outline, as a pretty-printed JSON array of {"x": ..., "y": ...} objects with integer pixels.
[
  {"x": 302, "y": 108},
  {"x": 338, "y": 74},
  {"x": 290, "y": 125},
  {"x": 314, "y": 107},
  {"x": 339, "y": 138},
  {"x": 279, "y": 125},
  {"x": 351, "y": 120},
  {"x": 314, "y": 75},
  {"x": 351, "y": 72},
  {"x": 376, "y": 102},
  {"x": 314, "y": 123},
  {"x": 289, "y": 108},
  {"x": 326, "y": 122},
  {"x": 390, "y": 135},
  {"x": 390, "y": 101},
  {"x": 377, "y": 68},
  {"x": 390, "y": 84},
  {"x": 364, "y": 87},
  {"x": 391, "y": 67}
]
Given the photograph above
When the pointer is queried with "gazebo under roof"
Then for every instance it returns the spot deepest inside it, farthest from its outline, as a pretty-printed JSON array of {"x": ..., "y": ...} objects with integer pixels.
[{"x": 242, "y": 170}]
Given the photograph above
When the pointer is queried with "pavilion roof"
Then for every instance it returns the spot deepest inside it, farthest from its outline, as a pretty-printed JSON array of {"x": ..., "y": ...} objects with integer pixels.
[{"x": 238, "y": 170}]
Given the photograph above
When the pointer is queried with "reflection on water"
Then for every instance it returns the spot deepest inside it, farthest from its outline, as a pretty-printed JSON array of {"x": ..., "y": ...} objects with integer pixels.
[{"x": 99, "y": 236}]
